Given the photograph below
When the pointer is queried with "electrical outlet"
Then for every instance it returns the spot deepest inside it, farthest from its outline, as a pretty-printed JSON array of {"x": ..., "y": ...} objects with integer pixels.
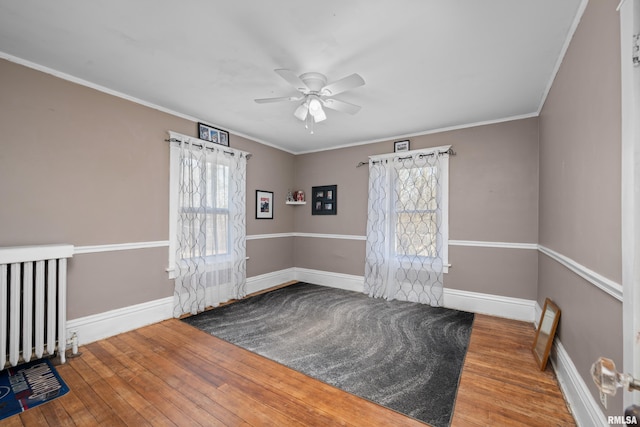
[{"x": 603, "y": 399}]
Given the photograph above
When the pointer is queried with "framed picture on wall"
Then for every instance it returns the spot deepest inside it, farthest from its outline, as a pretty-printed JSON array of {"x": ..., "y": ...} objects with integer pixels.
[
  {"x": 211, "y": 134},
  {"x": 264, "y": 204},
  {"x": 401, "y": 146},
  {"x": 325, "y": 200}
]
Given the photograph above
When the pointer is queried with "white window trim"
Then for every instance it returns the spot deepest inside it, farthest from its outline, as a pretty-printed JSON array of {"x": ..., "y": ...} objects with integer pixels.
[
  {"x": 174, "y": 170},
  {"x": 444, "y": 183}
]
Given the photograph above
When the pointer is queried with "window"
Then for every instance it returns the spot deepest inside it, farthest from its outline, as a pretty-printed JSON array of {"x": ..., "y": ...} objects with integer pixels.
[
  {"x": 416, "y": 212},
  {"x": 407, "y": 225},
  {"x": 421, "y": 228},
  {"x": 207, "y": 223},
  {"x": 203, "y": 211},
  {"x": 207, "y": 194}
]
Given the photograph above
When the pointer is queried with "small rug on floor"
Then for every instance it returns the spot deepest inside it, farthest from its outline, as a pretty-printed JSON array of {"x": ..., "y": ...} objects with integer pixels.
[
  {"x": 28, "y": 385},
  {"x": 402, "y": 355}
]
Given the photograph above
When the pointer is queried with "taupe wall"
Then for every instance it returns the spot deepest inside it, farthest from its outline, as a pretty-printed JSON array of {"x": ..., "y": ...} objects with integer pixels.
[
  {"x": 82, "y": 167},
  {"x": 79, "y": 166},
  {"x": 268, "y": 169},
  {"x": 580, "y": 146},
  {"x": 493, "y": 194}
]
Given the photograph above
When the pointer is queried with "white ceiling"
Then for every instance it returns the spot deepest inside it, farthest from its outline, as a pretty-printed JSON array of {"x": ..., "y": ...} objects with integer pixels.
[{"x": 428, "y": 64}]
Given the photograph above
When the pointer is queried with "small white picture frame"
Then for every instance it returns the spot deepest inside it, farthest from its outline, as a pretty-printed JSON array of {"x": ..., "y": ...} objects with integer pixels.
[{"x": 399, "y": 146}]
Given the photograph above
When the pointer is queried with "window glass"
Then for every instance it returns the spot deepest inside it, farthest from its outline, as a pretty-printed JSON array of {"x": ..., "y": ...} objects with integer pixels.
[{"x": 416, "y": 210}]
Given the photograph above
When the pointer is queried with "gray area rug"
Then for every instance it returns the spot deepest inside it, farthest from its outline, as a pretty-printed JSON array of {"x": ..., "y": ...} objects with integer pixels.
[{"x": 405, "y": 356}]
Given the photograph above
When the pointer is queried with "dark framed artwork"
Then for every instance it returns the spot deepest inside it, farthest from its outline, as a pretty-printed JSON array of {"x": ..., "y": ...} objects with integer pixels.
[
  {"x": 211, "y": 134},
  {"x": 324, "y": 200},
  {"x": 264, "y": 204}
]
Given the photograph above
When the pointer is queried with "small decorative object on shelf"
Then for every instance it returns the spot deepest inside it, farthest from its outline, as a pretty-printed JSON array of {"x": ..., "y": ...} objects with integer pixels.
[{"x": 295, "y": 198}]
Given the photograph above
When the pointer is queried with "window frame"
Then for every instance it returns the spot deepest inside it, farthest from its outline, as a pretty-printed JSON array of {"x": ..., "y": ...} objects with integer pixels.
[
  {"x": 174, "y": 171},
  {"x": 211, "y": 211},
  {"x": 444, "y": 200}
]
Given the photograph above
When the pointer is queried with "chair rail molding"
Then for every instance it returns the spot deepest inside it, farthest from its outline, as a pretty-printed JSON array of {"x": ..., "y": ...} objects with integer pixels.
[{"x": 609, "y": 286}]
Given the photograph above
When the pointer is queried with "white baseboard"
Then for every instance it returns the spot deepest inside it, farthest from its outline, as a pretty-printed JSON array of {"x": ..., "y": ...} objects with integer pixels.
[
  {"x": 585, "y": 409},
  {"x": 584, "y": 406},
  {"x": 269, "y": 280},
  {"x": 493, "y": 305},
  {"x": 326, "y": 278},
  {"x": 99, "y": 326},
  {"x": 104, "y": 325}
]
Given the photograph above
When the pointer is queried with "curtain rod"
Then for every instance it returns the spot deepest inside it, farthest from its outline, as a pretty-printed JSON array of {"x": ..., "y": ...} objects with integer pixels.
[
  {"x": 449, "y": 152},
  {"x": 206, "y": 148}
]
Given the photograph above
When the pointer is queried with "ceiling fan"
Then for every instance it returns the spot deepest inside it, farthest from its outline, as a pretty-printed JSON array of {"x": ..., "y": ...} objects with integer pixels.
[{"x": 315, "y": 93}]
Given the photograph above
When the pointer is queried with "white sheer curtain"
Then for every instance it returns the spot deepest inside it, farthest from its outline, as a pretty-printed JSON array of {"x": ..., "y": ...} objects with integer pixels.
[
  {"x": 406, "y": 226},
  {"x": 210, "y": 224}
]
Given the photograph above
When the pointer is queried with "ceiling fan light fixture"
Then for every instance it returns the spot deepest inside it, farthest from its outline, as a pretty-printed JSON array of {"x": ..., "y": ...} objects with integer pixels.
[
  {"x": 314, "y": 105},
  {"x": 302, "y": 111},
  {"x": 319, "y": 115},
  {"x": 315, "y": 109},
  {"x": 315, "y": 91}
]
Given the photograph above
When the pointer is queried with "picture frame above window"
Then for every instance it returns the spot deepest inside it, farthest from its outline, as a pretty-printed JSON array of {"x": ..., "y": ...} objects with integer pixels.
[
  {"x": 399, "y": 146},
  {"x": 264, "y": 204},
  {"x": 325, "y": 200},
  {"x": 212, "y": 134}
]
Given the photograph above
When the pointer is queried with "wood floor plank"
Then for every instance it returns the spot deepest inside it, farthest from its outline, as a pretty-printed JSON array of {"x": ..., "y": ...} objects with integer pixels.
[
  {"x": 152, "y": 390},
  {"x": 171, "y": 373},
  {"x": 254, "y": 411},
  {"x": 34, "y": 417},
  {"x": 277, "y": 401},
  {"x": 113, "y": 393},
  {"x": 74, "y": 406},
  {"x": 88, "y": 396},
  {"x": 175, "y": 370},
  {"x": 325, "y": 397},
  {"x": 502, "y": 385},
  {"x": 56, "y": 415},
  {"x": 14, "y": 421}
]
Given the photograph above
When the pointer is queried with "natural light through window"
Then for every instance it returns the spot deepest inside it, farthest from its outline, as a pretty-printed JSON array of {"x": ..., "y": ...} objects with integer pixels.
[
  {"x": 207, "y": 203},
  {"x": 407, "y": 225},
  {"x": 416, "y": 212}
]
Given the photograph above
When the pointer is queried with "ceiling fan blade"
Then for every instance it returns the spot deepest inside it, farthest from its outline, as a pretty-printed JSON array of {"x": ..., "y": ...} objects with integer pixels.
[
  {"x": 346, "y": 83},
  {"x": 283, "y": 98},
  {"x": 342, "y": 106},
  {"x": 293, "y": 80}
]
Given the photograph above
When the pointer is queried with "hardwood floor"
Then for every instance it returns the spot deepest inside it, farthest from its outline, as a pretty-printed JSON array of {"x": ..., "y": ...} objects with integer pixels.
[{"x": 170, "y": 374}]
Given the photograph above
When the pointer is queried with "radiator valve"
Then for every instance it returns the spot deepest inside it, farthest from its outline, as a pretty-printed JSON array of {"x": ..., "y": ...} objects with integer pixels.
[{"x": 74, "y": 344}]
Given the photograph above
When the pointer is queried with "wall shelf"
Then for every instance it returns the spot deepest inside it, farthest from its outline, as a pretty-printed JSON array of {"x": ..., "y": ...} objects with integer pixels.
[{"x": 295, "y": 203}]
